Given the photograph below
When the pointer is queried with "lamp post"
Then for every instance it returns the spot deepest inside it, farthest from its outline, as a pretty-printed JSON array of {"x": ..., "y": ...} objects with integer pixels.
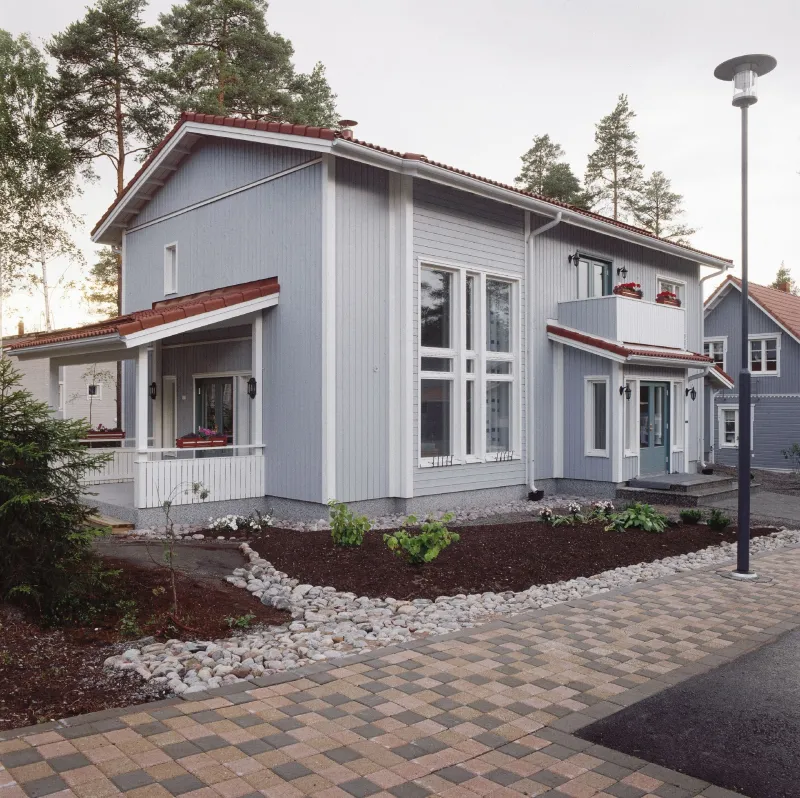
[{"x": 744, "y": 72}]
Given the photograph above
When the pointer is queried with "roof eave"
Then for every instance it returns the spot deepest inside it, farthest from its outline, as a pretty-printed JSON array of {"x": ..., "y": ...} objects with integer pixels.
[{"x": 76, "y": 346}]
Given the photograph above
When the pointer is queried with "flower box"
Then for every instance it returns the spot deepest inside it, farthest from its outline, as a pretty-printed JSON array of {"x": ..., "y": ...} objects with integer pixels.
[
  {"x": 198, "y": 442},
  {"x": 631, "y": 290},
  {"x": 668, "y": 298},
  {"x": 108, "y": 434}
]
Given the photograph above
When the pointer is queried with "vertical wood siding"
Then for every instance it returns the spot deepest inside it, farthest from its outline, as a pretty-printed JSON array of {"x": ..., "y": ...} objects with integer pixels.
[
  {"x": 216, "y": 166},
  {"x": 556, "y": 281},
  {"x": 362, "y": 331},
  {"x": 466, "y": 230}
]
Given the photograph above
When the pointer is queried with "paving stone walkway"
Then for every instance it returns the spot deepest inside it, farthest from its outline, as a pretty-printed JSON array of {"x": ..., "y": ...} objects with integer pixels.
[{"x": 489, "y": 711}]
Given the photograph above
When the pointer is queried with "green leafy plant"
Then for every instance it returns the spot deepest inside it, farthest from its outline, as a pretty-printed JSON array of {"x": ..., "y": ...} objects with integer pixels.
[
  {"x": 424, "y": 545},
  {"x": 128, "y": 624},
  {"x": 793, "y": 456},
  {"x": 638, "y": 516},
  {"x": 241, "y": 621},
  {"x": 347, "y": 529},
  {"x": 718, "y": 521},
  {"x": 691, "y": 516}
]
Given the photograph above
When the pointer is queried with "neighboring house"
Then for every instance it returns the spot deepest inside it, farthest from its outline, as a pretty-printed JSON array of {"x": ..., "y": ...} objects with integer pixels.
[
  {"x": 372, "y": 326},
  {"x": 774, "y": 359},
  {"x": 83, "y": 391}
]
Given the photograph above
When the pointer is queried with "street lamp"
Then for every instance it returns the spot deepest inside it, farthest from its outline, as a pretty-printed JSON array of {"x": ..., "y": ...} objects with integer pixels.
[{"x": 744, "y": 71}]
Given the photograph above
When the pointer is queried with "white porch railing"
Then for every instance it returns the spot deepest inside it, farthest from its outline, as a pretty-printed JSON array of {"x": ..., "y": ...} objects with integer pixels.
[
  {"x": 118, "y": 469},
  {"x": 168, "y": 474}
]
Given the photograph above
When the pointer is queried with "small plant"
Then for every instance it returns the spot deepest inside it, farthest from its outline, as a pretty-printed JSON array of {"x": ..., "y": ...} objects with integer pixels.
[
  {"x": 425, "y": 545},
  {"x": 793, "y": 456},
  {"x": 691, "y": 516},
  {"x": 638, "y": 516},
  {"x": 718, "y": 521},
  {"x": 601, "y": 510},
  {"x": 241, "y": 621},
  {"x": 574, "y": 516},
  {"x": 347, "y": 529},
  {"x": 128, "y": 625},
  {"x": 546, "y": 515}
]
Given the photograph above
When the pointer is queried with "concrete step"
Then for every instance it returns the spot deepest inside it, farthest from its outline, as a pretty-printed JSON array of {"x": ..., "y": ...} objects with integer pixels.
[
  {"x": 115, "y": 526},
  {"x": 680, "y": 498}
]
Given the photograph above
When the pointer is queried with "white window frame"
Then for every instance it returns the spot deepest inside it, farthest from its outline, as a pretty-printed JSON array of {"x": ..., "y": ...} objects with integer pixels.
[
  {"x": 717, "y": 339},
  {"x": 662, "y": 279},
  {"x": 763, "y": 337},
  {"x": 582, "y": 269},
  {"x": 98, "y": 395},
  {"x": 677, "y": 411},
  {"x": 588, "y": 416},
  {"x": 630, "y": 418},
  {"x": 480, "y": 357},
  {"x": 171, "y": 268},
  {"x": 721, "y": 410}
]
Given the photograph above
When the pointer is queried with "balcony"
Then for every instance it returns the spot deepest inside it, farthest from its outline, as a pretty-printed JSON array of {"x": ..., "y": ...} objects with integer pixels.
[{"x": 628, "y": 320}]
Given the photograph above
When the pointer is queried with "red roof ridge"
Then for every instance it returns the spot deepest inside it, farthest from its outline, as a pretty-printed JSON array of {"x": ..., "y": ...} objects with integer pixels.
[
  {"x": 161, "y": 312},
  {"x": 329, "y": 134}
]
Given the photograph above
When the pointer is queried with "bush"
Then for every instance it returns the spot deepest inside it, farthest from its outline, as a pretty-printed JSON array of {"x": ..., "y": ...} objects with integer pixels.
[
  {"x": 638, "y": 516},
  {"x": 425, "y": 545},
  {"x": 718, "y": 521},
  {"x": 691, "y": 516},
  {"x": 44, "y": 536},
  {"x": 347, "y": 529}
]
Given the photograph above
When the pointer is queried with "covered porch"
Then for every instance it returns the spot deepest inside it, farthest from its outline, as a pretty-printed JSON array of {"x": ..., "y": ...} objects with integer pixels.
[{"x": 192, "y": 398}]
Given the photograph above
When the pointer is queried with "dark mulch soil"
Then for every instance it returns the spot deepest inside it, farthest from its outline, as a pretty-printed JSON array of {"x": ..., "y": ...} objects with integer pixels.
[
  {"x": 48, "y": 673},
  {"x": 493, "y": 558},
  {"x": 786, "y": 482}
]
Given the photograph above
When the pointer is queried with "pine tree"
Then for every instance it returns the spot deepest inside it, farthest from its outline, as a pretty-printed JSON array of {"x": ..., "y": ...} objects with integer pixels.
[
  {"x": 783, "y": 277},
  {"x": 225, "y": 60},
  {"x": 546, "y": 174},
  {"x": 613, "y": 172},
  {"x": 656, "y": 207},
  {"x": 101, "y": 291}
]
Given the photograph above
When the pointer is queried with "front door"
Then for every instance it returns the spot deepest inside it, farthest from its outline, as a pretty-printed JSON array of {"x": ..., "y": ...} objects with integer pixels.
[
  {"x": 654, "y": 431},
  {"x": 214, "y": 410}
]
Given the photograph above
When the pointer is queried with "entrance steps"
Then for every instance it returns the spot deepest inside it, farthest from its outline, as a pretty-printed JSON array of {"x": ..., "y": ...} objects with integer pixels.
[
  {"x": 681, "y": 490},
  {"x": 115, "y": 526}
]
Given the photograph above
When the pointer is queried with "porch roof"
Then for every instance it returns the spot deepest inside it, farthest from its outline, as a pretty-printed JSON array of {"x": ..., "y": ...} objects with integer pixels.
[
  {"x": 165, "y": 318},
  {"x": 720, "y": 377},
  {"x": 626, "y": 352}
]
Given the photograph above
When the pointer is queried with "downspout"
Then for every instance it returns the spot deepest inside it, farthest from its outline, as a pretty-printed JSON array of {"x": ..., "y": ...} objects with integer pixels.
[{"x": 529, "y": 304}]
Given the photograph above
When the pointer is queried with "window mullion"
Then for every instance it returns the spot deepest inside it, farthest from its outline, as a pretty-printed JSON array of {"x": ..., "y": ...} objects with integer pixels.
[
  {"x": 480, "y": 367},
  {"x": 460, "y": 367}
]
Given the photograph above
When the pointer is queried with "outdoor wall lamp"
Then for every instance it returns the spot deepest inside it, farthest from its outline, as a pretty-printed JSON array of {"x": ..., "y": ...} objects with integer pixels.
[
  {"x": 153, "y": 390},
  {"x": 573, "y": 259},
  {"x": 251, "y": 387},
  {"x": 622, "y": 272},
  {"x": 625, "y": 389},
  {"x": 692, "y": 392}
]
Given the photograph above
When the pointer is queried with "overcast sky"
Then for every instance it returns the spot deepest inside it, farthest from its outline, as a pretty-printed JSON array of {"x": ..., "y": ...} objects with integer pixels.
[{"x": 470, "y": 83}]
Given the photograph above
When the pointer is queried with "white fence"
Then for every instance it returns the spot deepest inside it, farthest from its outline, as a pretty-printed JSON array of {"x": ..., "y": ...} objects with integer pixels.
[
  {"x": 118, "y": 469},
  {"x": 168, "y": 475}
]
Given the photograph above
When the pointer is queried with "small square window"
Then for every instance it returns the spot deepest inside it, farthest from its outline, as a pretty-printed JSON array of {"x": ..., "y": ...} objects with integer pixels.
[{"x": 94, "y": 391}]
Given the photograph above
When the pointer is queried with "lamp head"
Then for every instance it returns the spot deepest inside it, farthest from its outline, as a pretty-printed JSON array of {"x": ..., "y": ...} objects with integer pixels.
[{"x": 744, "y": 71}]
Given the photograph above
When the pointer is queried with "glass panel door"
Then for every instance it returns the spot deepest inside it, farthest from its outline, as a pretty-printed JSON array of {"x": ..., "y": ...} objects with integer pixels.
[
  {"x": 214, "y": 410},
  {"x": 653, "y": 428}
]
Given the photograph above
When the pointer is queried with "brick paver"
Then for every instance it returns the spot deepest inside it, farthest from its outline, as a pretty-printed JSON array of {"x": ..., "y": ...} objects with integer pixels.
[{"x": 488, "y": 711}]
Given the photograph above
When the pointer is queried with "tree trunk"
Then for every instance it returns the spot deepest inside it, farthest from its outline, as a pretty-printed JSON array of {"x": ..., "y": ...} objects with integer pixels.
[{"x": 48, "y": 324}]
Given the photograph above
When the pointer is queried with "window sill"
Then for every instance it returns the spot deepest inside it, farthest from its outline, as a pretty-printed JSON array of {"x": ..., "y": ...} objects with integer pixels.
[{"x": 596, "y": 454}]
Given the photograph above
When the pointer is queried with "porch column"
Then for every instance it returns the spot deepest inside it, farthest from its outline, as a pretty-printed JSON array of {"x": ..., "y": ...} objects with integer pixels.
[
  {"x": 157, "y": 440},
  {"x": 142, "y": 401},
  {"x": 257, "y": 367},
  {"x": 55, "y": 373}
]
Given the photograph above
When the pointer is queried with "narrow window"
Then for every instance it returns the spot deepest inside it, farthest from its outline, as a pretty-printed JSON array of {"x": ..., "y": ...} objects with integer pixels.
[
  {"x": 730, "y": 428},
  {"x": 171, "y": 269},
  {"x": 630, "y": 417},
  {"x": 498, "y": 417},
  {"x": 594, "y": 278},
  {"x": 437, "y": 304},
  {"x": 596, "y": 426},
  {"x": 470, "y": 310},
  {"x": 435, "y": 418},
  {"x": 678, "y": 406},
  {"x": 498, "y": 316}
]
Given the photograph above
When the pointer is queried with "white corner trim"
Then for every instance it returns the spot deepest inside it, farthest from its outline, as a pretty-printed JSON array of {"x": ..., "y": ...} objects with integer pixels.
[
  {"x": 615, "y": 401},
  {"x": 328, "y": 244},
  {"x": 558, "y": 410}
]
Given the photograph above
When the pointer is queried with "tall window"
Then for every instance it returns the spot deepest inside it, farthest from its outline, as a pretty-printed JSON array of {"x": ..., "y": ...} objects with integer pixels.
[
  {"x": 171, "y": 269},
  {"x": 468, "y": 367},
  {"x": 678, "y": 409},
  {"x": 631, "y": 428},
  {"x": 596, "y": 416},
  {"x": 594, "y": 278},
  {"x": 715, "y": 349},
  {"x": 764, "y": 356}
]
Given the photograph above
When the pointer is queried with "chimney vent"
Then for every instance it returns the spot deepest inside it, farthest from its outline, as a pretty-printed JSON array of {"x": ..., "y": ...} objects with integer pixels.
[
  {"x": 346, "y": 128},
  {"x": 785, "y": 287},
  {"x": 20, "y": 327}
]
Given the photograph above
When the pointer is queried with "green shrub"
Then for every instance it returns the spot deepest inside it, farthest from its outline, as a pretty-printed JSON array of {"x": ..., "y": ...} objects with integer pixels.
[
  {"x": 691, "y": 516},
  {"x": 425, "y": 545},
  {"x": 638, "y": 516},
  {"x": 347, "y": 529},
  {"x": 240, "y": 621},
  {"x": 718, "y": 521},
  {"x": 46, "y": 562}
]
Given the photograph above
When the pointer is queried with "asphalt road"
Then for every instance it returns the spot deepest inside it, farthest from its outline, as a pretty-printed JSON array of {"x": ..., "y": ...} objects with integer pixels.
[{"x": 737, "y": 727}]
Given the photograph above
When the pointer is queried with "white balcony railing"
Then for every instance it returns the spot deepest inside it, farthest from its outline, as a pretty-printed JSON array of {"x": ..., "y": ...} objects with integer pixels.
[
  {"x": 619, "y": 318},
  {"x": 117, "y": 469}
]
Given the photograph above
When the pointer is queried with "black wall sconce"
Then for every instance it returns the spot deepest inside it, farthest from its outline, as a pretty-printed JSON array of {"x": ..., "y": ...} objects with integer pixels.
[
  {"x": 573, "y": 259},
  {"x": 692, "y": 393},
  {"x": 622, "y": 272},
  {"x": 625, "y": 389},
  {"x": 153, "y": 390},
  {"x": 251, "y": 387}
]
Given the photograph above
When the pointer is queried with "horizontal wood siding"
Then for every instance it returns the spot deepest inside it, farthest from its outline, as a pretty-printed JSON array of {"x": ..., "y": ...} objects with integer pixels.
[
  {"x": 556, "y": 281},
  {"x": 216, "y": 166},
  {"x": 465, "y": 230},
  {"x": 362, "y": 331}
]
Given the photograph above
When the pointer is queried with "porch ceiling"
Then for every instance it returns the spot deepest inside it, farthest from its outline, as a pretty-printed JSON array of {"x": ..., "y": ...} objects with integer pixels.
[{"x": 117, "y": 338}]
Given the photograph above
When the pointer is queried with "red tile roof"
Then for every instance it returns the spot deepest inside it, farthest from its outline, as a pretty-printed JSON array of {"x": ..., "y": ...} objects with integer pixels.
[
  {"x": 627, "y": 350},
  {"x": 330, "y": 135},
  {"x": 781, "y": 305},
  {"x": 161, "y": 312},
  {"x": 724, "y": 374}
]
